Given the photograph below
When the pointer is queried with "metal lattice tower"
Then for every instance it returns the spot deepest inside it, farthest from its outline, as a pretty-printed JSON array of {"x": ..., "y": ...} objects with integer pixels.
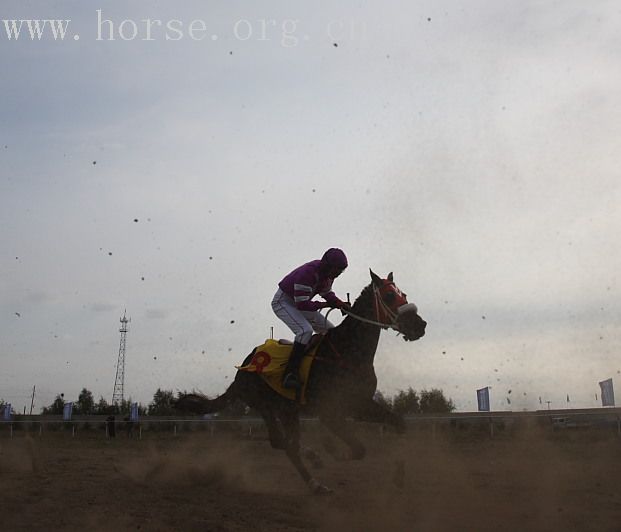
[{"x": 119, "y": 381}]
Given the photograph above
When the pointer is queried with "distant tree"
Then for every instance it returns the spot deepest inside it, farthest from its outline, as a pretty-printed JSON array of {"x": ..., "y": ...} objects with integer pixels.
[
  {"x": 102, "y": 407},
  {"x": 433, "y": 401},
  {"x": 235, "y": 409},
  {"x": 123, "y": 407},
  {"x": 380, "y": 398},
  {"x": 85, "y": 404},
  {"x": 56, "y": 408},
  {"x": 406, "y": 402},
  {"x": 162, "y": 404}
]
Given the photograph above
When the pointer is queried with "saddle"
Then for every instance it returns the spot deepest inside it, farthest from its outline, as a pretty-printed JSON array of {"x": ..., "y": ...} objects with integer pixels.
[
  {"x": 314, "y": 342},
  {"x": 269, "y": 361}
]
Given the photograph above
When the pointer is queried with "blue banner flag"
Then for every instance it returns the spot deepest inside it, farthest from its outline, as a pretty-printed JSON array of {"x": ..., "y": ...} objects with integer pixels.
[
  {"x": 483, "y": 399},
  {"x": 67, "y": 411},
  {"x": 608, "y": 393},
  {"x": 133, "y": 412}
]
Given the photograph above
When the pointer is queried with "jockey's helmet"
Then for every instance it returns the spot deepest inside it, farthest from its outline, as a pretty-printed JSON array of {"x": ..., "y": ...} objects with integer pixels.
[{"x": 335, "y": 258}]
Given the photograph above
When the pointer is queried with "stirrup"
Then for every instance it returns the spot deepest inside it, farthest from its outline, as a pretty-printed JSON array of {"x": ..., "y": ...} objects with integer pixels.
[{"x": 291, "y": 381}]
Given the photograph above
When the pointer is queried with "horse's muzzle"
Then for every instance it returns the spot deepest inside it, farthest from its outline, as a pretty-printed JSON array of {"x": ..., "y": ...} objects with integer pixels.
[{"x": 410, "y": 324}]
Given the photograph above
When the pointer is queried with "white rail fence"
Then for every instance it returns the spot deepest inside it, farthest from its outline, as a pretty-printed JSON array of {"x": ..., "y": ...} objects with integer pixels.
[{"x": 602, "y": 420}]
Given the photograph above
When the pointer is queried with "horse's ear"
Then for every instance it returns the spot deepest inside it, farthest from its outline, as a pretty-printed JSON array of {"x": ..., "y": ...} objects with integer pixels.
[
  {"x": 376, "y": 278},
  {"x": 390, "y": 277}
]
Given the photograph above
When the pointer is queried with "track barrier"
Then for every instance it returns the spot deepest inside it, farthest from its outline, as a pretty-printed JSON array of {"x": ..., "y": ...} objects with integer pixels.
[{"x": 495, "y": 424}]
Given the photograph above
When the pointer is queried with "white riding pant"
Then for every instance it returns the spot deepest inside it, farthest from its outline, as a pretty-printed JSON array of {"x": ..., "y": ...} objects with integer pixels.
[{"x": 301, "y": 322}]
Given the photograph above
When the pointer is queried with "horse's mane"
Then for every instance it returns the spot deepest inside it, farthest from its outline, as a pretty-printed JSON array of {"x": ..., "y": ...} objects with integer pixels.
[
  {"x": 354, "y": 338},
  {"x": 365, "y": 296},
  {"x": 363, "y": 301}
]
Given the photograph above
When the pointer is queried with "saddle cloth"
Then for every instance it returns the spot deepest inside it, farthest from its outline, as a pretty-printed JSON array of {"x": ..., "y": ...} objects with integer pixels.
[{"x": 270, "y": 360}]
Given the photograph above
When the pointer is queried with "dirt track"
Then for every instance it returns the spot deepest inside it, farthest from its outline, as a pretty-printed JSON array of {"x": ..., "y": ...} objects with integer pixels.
[{"x": 531, "y": 481}]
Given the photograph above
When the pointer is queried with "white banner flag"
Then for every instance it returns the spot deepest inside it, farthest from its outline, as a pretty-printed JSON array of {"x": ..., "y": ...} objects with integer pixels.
[
  {"x": 608, "y": 393},
  {"x": 6, "y": 414}
]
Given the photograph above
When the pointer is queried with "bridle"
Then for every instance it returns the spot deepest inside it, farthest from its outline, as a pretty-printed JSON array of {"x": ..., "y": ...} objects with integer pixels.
[
  {"x": 380, "y": 306},
  {"x": 392, "y": 316}
]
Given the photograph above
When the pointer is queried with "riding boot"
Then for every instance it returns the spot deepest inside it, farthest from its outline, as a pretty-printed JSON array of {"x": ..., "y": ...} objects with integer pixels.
[{"x": 291, "y": 378}]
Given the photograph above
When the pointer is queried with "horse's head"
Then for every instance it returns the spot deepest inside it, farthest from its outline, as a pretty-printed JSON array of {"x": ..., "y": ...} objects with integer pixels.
[{"x": 393, "y": 310}]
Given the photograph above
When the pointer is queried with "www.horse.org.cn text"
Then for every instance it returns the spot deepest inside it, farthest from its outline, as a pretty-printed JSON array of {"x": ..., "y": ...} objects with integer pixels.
[{"x": 287, "y": 32}]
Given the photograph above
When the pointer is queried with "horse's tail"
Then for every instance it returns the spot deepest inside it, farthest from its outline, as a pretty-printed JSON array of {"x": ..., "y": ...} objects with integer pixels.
[{"x": 197, "y": 403}]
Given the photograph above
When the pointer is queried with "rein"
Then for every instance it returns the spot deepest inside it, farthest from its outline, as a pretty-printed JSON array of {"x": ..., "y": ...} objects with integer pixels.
[
  {"x": 379, "y": 303},
  {"x": 377, "y": 300},
  {"x": 360, "y": 318},
  {"x": 366, "y": 320}
]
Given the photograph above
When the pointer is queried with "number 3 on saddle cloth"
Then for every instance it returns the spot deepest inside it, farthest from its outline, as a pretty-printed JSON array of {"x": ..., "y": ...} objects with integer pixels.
[{"x": 270, "y": 359}]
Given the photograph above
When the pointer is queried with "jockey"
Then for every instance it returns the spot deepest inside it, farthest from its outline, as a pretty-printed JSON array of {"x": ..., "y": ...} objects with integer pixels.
[{"x": 293, "y": 304}]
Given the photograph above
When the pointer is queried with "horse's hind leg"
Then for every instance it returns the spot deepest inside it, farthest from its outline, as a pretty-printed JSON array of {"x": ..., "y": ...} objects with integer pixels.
[
  {"x": 291, "y": 425},
  {"x": 258, "y": 395},
  {"x": 277, "y": 438}
]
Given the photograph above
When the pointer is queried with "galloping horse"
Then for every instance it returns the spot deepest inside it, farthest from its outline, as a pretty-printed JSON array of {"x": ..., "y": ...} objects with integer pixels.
[{"x": 341, "y": 382}]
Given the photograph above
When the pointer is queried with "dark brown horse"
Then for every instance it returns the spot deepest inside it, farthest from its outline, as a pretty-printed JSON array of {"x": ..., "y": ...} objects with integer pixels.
[{"x": 341, "y": 382}]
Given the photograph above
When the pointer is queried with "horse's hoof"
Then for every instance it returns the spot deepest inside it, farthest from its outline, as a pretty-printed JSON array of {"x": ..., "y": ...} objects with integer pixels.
[
  {"x": 358, "y": 454},
  {"x": 317, "y": 464},
  {"x": 398, "y": 477},
  {"x": 342, "y": 455},
  {"x": 317, "y": 488},
  {"x": 313, "y": 457}
]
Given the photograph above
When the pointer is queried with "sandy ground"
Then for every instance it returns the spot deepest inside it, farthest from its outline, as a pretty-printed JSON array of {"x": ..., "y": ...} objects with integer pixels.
[{"x": 530, "y": 480}]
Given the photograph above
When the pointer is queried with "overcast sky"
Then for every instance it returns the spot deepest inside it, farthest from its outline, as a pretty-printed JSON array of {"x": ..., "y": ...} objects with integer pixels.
[{"x": 470, "y": 147}]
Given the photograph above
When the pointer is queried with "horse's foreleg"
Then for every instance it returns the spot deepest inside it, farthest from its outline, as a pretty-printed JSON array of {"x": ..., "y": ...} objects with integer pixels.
[
  {"x": 338, "y": 427},
  {"x": 279, "y": 441},
  {"x": 376, "y": 413}
]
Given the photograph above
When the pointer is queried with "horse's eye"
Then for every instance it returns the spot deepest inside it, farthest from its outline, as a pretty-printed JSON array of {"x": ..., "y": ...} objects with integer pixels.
[{"x": 389, "y": 297}]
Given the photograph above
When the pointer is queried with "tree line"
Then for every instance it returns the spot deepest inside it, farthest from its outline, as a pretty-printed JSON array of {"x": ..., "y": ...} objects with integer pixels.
[
  {"x": 404, "y": 402},
  {"x": 86, "y": 405},
  {"x": 162, "y": 404}
]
